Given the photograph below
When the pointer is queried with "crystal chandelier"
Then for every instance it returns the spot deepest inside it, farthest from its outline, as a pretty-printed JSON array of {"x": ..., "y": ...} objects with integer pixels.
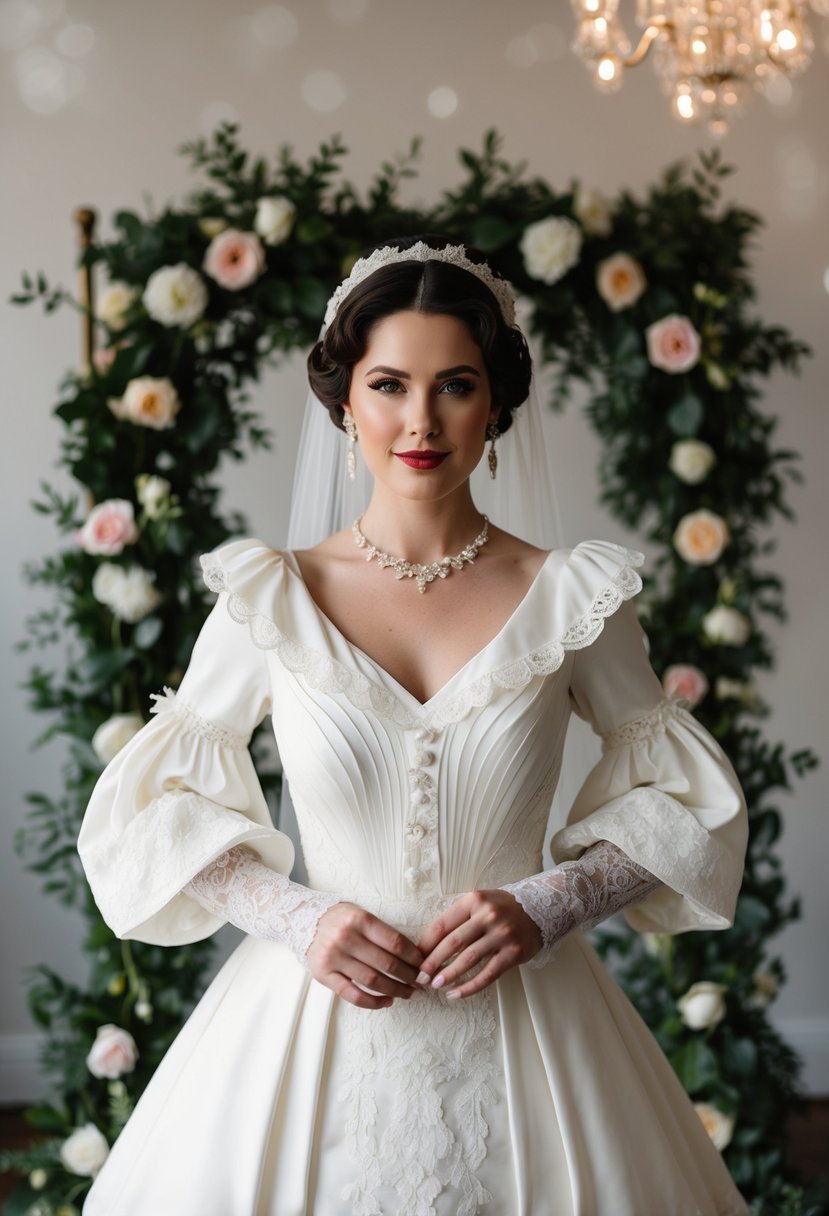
[{"x": 708, "y": 54}]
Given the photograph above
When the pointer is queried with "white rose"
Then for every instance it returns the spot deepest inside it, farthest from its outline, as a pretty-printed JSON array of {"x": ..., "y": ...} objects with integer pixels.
[
  {"x": 703, "y": 1005},
  {"x": 593, "y": 211},
  {"x": 144, "y": 1011},
  {"x": 85, "y": 1151},
  {"x": 153, "y": 493},
  {"x": 106, "y": 578},
  {"x": 620, "y": 281},
  {"x": 133, "y": 596},
  {"x": 692, "y": 460},
  {"x": 38, "y": 1179},
  {"x": 114, "y": 302},
  {"x": 726, "y": 689},
  {"x": 274, "y": 219},
  {"x": 720, "y": 1127},
  {"x": 726, "y": 626},
  {"x": 175, "y": 295},
  {"x": 111, "y": 735},
  {"x": 113, "y": 1053},
  {"x": 551, "y": 247},
  {"x": 147, "y": 401}
]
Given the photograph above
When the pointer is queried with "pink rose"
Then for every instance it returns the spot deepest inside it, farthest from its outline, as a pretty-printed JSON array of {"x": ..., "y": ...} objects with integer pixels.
[
  {"x": 673, "y": 344},
  {"x": 234, "y": 259},
  {"x": 113, "y": 1053},
  {"x": 108, "y": 527},
  {"x": 686, "y": 681}
]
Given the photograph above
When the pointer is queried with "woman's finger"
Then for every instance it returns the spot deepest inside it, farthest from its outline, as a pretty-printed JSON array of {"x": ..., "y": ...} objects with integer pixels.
[
  {"x": 455, "y": 915},
  {"x": 495, "y": 968}
]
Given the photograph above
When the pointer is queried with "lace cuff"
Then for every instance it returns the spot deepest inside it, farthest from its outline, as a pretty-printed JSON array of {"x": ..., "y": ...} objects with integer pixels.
[
  {"x": 580, "y": 894},
  {"x": 238, "y": 887}
]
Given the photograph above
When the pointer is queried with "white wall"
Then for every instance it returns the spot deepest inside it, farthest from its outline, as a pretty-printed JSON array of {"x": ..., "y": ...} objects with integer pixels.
[{"x": 157, "y": 75}]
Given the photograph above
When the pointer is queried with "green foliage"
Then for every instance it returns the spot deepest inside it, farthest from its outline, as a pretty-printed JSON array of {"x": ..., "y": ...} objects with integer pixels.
[{"x": 695, "y": 254}]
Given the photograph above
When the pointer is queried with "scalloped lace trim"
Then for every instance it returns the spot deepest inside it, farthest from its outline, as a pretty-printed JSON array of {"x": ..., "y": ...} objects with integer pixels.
[
  {"x": 652, "y": 724},
  {"x": 194, "y": 724},
  {"x": 326, "y": 674}
]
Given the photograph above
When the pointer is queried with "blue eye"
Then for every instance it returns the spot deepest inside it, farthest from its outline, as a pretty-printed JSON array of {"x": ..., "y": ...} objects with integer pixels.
[
  {"x": 458, "y": 388},
  {"x": 383, "y": 386}
]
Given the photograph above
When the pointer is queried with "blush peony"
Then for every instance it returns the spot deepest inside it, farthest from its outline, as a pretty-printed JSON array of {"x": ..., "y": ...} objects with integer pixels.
[
  {"x": 551, "y": 247},
  {"x": 703, "y": 1005},
  {"x": 85, "y": 1151},
  {"x": 691, "y": 460},
  {"x": 109, "y": 527},
  {"x": 620, "y": 281},
  {"x": 673, "y": 344},
  {"x": 686, "y": 681},
  {"x": 175, "y": 295},
  {"x": 234, "y": 259},
  {"x": 701, "y": 537},
  {"x": 274, "y": 219},
  {"x": 113, "y": 1053},
  {"x": 148, "y": 401}
]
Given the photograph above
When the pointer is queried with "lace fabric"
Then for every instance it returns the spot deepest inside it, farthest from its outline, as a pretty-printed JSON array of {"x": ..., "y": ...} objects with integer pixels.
[
  {"x": 580, "y": 894},
  {"x": 240, "y": 888}
]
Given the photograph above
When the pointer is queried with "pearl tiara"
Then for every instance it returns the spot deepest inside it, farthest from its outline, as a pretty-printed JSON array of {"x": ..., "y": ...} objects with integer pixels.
[{"x": 455, "y": 255}]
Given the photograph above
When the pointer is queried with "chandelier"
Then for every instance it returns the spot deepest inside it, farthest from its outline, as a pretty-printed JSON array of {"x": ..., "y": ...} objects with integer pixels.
[{"x": 708, "y": 54}]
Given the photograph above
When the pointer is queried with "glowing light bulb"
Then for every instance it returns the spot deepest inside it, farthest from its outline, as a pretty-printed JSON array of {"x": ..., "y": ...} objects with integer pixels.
[
  {"x": 684, "y": 106},
  {"x": 787, "y": 40},
  {"x": 698, "y": 46},
  {"x": 606, "y": 69}
]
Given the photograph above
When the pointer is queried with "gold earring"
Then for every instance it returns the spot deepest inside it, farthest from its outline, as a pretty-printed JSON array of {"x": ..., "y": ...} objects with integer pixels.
[
  {"x": 492, "y": 434},
  {"x": 350, "y": 427}
]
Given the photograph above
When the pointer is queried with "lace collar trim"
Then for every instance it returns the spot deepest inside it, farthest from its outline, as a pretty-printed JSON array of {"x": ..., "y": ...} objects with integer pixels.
[{"x": 249, "y": 572}]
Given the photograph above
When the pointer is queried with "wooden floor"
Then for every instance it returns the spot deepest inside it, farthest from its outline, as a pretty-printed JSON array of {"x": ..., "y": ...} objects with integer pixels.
[{"x": 807, "y": 1146}]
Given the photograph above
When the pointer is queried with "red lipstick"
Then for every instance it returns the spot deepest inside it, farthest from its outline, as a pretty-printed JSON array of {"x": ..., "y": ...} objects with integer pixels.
[{"x": 422, "y": 460}]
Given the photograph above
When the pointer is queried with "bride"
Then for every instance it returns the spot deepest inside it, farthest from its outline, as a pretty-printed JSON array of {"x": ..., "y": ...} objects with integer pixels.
[{"x": 424, "y": 1028}]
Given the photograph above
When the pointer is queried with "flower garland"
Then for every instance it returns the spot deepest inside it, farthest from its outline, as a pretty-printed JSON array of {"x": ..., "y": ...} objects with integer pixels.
[{"x": 646, "y": 300}]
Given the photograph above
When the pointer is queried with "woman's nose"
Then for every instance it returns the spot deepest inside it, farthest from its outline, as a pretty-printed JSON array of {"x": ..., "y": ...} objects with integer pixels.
[{"x": 422, "y": 417}]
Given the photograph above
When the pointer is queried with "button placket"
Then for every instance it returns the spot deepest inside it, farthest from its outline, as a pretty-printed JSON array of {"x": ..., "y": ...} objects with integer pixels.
[{"x": 420, "y": 848}]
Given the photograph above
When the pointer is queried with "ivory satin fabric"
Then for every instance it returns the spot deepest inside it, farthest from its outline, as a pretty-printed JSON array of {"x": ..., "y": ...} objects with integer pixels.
[{"x": 544, "y": 1095}]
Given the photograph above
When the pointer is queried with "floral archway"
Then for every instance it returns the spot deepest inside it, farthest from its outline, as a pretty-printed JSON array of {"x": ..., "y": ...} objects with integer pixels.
[{"x": 649, "y": 303}]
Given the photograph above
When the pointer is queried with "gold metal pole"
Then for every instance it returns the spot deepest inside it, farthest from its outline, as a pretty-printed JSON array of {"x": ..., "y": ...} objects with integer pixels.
[{"x": 85, "y": 218}]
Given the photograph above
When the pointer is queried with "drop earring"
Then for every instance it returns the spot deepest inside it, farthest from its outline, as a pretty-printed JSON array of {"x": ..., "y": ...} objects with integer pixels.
[
  {"x": 492, "y": 434},
  {"x": 350, "y": 428}
]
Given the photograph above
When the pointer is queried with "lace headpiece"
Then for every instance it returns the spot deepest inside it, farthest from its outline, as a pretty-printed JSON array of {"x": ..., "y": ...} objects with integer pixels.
[{"x": 455, "y": 255}]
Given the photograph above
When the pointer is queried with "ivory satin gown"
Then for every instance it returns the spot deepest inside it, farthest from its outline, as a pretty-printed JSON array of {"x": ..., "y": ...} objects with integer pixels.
[{"x": 545, "y": 1094}]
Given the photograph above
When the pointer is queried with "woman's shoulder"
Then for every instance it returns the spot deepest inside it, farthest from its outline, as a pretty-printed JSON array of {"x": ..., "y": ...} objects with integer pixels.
[{"x": 235, "y": 563}]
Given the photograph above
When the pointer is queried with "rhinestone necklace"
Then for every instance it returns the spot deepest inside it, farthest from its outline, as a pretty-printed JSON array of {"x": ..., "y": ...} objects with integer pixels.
[{"x": 422, "y": 574}]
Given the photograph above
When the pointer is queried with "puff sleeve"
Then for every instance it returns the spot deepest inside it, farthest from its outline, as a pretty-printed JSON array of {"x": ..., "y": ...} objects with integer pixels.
[
  {"x": 663, "y": 791},
  {"x": 181, "y": 792}
]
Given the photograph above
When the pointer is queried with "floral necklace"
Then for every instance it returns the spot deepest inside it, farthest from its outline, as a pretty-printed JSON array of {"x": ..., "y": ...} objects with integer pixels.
[{"x": 422, "y": 574}]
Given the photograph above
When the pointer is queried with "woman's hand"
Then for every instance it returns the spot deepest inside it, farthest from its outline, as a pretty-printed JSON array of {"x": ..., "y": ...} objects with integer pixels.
[
  {"x": 352, "y": 947},
  {"x": 487, "y": 927}
]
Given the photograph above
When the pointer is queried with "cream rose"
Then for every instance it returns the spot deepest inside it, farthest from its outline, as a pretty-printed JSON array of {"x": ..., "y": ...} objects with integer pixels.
[
  {"x": 686, "y": 681},
  {"x": 234, "y": 259},
  {"x": 703, "y": 1005},
  {"x": 727, "y": 626},
  {"x": 148, "y": 401},
  {"x": 594, "y": 212},
  {"x": 175, "y": 295},
  {"x": 111, "y": 735},
  {"x": 153, "y": 493},
  {"x": 113, "y": 1053},
  {"x": 726, "y": 689},
  {"x": 274, "y": 219},
  {"x": 620, "y": 281},
  {"x": 114, "y": 302},
  {"x": 109, "y": 527},
  {"x": 720, "y": 1127},
  {"x": 38, "y": 1179},
  {"x": 701, "y": 537},
  {"x": 551, "y": 247},
  {"x": 691, "y": 460},
  {"x": 85, "y": 1151},
  {"x": 212, "y": 225},
  {"x": 673, "y": 344}
]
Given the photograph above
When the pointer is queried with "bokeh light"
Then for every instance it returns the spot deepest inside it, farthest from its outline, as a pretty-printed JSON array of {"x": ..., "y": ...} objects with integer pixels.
[
  {"x": 274, "y": 26},
  {"x": 442, "y": 102},
  {"x": 323, "y": 90}
]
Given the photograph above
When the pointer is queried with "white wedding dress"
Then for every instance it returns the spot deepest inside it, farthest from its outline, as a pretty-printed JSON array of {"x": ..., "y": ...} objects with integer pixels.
[{"x": 543, "y": 1095}]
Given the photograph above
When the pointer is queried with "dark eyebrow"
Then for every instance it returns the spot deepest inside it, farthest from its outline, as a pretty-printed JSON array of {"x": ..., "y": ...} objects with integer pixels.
[{"x": 450, "y": 371}]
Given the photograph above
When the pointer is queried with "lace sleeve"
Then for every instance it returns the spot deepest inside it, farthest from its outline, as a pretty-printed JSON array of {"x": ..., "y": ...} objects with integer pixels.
[
  {"x": 580, "y": 894},
  {"x": 238, "y": 887}
]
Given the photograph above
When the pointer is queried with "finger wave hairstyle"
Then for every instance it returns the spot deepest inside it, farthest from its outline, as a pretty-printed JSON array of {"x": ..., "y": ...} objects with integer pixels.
[{"x": 429, "y": 287}]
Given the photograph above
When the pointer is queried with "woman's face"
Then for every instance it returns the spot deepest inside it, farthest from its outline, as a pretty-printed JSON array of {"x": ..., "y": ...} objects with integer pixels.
[{"x": 421, "y": 401}]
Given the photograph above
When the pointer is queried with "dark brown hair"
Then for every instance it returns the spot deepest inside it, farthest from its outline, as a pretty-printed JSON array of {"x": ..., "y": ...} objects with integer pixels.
[{"x": 429, "y": 287}]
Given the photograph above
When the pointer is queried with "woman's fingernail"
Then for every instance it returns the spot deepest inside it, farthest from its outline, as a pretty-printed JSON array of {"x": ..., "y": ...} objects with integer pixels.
[
  {"x": 423, "y": 978},
  {"x": 438, "y": 981},
  {"x": 417, "y": 994},
  {"x": 453, "y": 995}
]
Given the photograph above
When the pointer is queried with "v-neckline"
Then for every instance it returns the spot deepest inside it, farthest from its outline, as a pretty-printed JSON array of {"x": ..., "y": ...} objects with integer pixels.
[{"x": 294, "y": 567}]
